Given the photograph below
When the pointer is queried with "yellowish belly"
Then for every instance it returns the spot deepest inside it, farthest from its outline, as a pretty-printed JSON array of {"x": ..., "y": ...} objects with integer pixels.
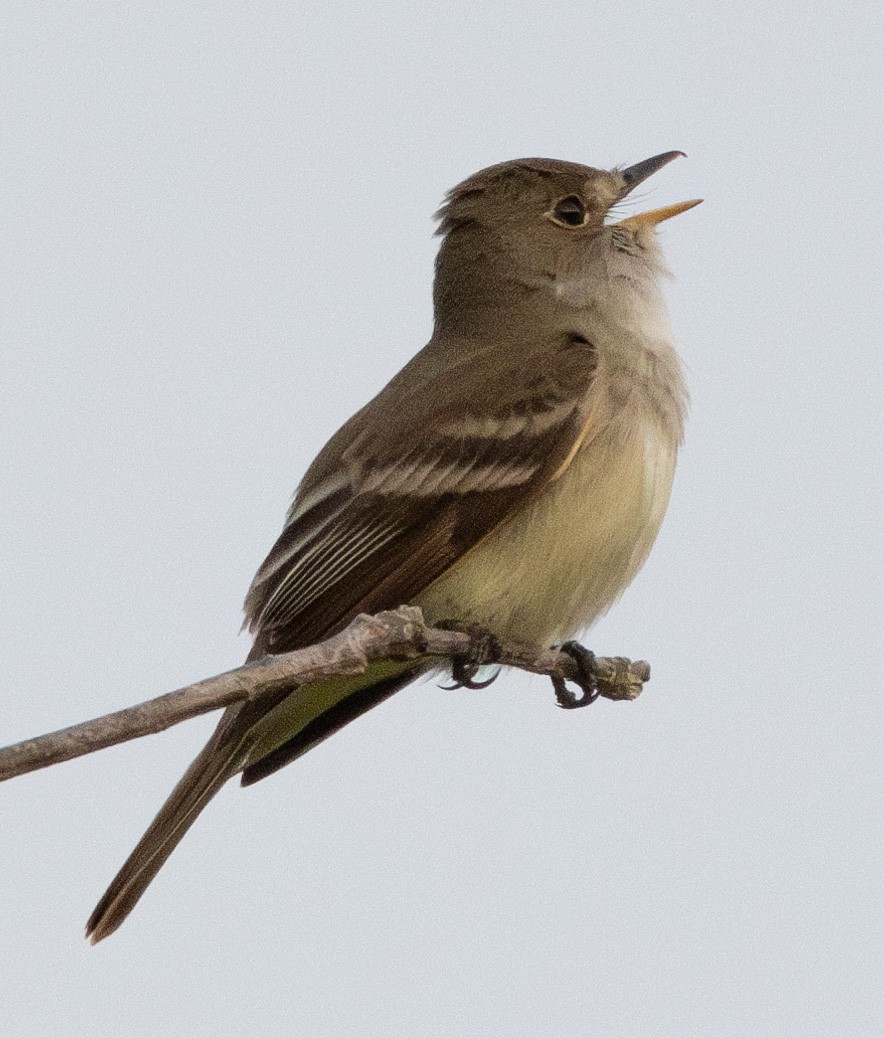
[{"x": 555, "y": 567}]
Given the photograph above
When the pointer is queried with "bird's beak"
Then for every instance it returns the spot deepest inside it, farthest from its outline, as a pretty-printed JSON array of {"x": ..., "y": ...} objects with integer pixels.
[
  {"x": 654, "y": 216},
  {"x": 634, "y": 175}
]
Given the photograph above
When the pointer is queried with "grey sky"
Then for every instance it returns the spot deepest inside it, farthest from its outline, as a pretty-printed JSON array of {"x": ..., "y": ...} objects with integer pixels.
[{"x": 215, "y": 240}]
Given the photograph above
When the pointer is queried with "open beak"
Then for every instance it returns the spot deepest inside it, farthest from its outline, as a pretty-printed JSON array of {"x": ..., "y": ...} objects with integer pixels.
[
  {"x": 654, "y": 216},
  {"x": 634, "y": 175}
]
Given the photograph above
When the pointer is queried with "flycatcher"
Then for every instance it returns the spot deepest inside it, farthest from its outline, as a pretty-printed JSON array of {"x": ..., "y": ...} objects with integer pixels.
[{"x": 512, "y": 477}]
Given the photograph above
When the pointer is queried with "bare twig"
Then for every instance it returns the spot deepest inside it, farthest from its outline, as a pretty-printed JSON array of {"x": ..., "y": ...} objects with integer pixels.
[{"x": 398, "y": 634}]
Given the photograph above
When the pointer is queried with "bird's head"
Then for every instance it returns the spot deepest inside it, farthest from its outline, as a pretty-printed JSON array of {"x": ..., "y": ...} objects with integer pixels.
[{"x": 519, "y": 224}]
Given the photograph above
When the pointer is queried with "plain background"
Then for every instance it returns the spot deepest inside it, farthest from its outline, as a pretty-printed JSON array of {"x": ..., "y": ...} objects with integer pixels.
[{"x": 216, "y": 244}]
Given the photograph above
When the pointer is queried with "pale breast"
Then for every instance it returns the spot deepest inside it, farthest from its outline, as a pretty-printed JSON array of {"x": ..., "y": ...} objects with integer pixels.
[
  {"x": 560, "y": 562},
  {"x": 555, "y": 567}
]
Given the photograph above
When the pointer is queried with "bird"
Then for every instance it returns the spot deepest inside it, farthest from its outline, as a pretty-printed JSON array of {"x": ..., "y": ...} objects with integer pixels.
[{"x": 511, "y": 478}]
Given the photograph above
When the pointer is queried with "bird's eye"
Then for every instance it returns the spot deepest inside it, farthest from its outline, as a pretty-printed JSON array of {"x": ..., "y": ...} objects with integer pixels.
[{"x": 570, "y": 212}]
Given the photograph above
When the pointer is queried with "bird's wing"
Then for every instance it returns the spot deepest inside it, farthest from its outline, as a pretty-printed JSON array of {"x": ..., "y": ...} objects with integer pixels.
[{"x": 398, "y": 510}]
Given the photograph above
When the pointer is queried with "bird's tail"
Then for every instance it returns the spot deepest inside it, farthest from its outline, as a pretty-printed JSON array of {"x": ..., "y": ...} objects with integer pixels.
[
  {"x": 257, "y": 738},
  {"x": 217, "y": 762}
]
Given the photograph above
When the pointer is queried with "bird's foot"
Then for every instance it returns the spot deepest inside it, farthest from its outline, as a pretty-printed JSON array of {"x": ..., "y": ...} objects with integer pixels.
[
  {"x": 485, "y": 649},
  {"x": 587, "y": 680}
]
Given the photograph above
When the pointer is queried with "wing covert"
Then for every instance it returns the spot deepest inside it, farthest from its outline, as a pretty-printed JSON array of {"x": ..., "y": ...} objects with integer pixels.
[{"x": 393, "y": 513}]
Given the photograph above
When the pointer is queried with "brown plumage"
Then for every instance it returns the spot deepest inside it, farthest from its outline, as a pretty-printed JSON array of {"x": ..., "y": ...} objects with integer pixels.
[{"x": 512, "y": 475}]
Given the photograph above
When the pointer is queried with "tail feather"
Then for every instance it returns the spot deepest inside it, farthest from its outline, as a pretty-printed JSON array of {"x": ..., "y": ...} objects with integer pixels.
[
  {"x": 206, "y": 775},
  {"x": 255, "y": 737}
]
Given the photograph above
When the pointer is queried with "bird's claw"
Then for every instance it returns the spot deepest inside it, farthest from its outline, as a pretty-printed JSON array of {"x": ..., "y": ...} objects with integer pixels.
[
  {"x": 586, "y": 681},
  {"x": 463, "y": 674},
  {"x": 485, "y": 649}
]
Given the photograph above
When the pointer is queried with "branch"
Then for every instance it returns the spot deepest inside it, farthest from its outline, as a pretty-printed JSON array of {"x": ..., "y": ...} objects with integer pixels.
[{"x": 398, "y": 634}]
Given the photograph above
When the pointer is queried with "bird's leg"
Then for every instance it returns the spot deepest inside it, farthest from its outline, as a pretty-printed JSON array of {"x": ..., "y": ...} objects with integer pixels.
[
  {"x": 484, "y": 649},
  {"x": 587, "y": 680}
]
